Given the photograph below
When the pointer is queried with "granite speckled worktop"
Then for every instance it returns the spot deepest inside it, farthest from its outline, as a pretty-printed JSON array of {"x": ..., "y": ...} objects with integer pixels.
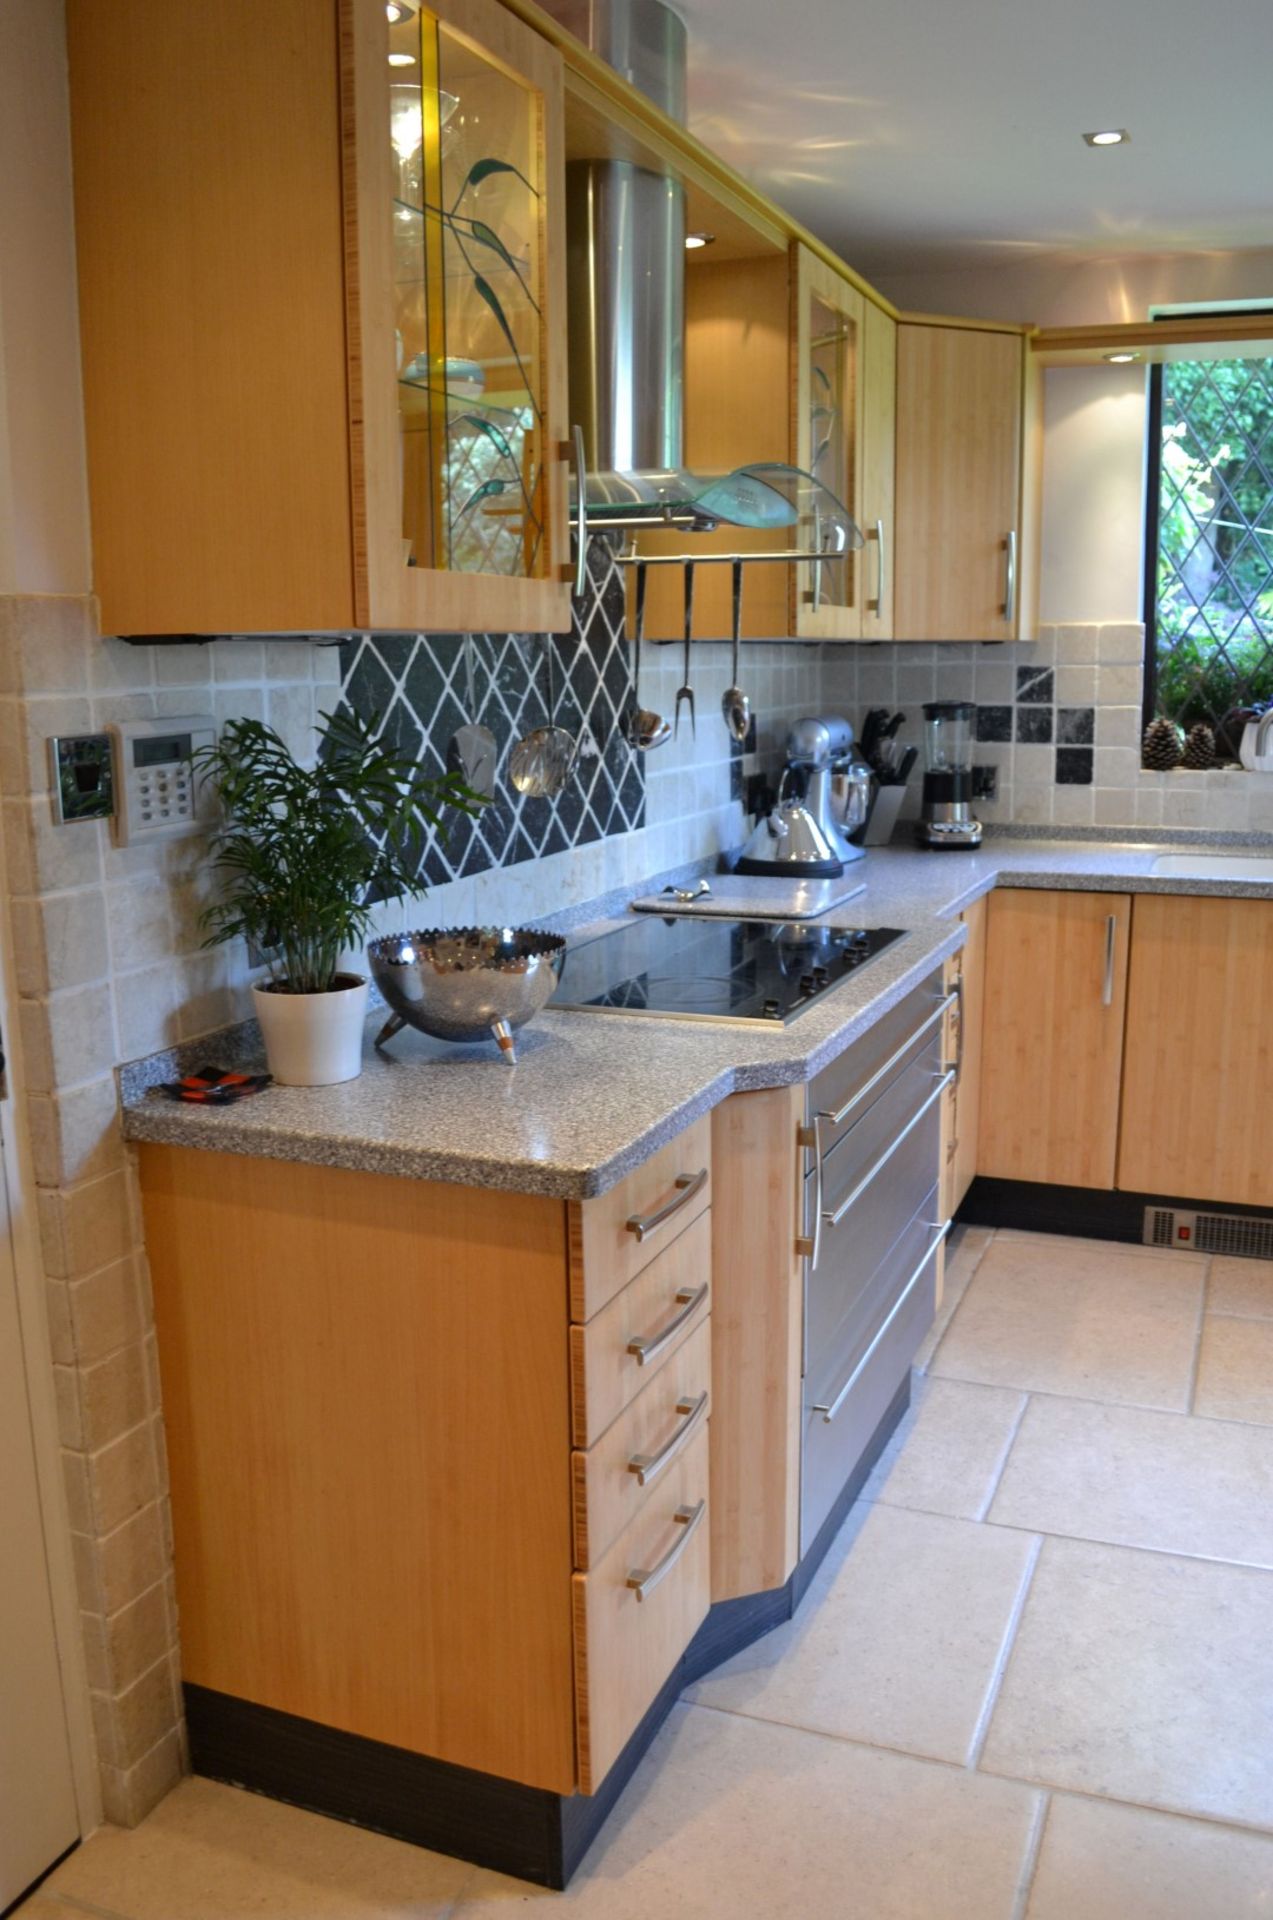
[{"x": 592, "y": 1096}]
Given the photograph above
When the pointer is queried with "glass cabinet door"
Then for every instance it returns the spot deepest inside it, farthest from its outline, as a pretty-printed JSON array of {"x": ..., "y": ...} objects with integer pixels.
[
  {"x": 828, "y": 390},
  {"x": 466, "y": 325}
]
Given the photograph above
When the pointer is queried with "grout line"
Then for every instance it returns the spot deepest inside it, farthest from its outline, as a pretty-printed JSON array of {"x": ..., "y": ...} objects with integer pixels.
[
  {"x": 1015, "y": 1779},
  {"x": 991, "y": 1701},
  {"x": 1033, "y": 1851},
  {"x": 1120, "y": 1406},
  {"x": 1197, "y": 1345},
  {"x": 74, "y": 1905},
  {"x": 1011, "y": 1441}
]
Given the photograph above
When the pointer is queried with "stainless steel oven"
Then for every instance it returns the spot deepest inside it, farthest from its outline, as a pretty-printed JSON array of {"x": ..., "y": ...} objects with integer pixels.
[{"x": 871, "y": 1231}]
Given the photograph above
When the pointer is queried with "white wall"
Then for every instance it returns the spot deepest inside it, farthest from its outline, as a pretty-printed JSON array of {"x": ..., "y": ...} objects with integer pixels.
[
  {"x": 1093, "y": 494},
  {"x": 1053, "y": 290}
]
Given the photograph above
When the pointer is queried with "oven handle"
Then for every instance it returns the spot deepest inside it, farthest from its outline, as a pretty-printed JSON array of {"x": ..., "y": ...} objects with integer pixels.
[
  {"x": 809, "y": 1245},
  {"x": 944, "y": 1080},
  {"x": 939, "y": 1012},
  {"x": 829, "y": 1412}
]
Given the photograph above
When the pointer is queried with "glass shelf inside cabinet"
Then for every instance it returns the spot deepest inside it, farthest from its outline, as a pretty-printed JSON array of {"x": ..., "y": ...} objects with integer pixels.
[{"x": 467, "y": 223}]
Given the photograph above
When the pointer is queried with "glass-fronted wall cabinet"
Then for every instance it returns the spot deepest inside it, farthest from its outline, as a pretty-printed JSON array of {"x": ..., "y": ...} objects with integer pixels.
[
  {"x": 322, "y": 285},
  {"x": 827, "y": 340},
  {"x": 466, "y": 422}
]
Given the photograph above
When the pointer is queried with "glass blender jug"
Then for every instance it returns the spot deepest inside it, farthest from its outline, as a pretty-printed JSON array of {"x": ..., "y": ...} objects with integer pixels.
[{"x": 946, "y": 817}]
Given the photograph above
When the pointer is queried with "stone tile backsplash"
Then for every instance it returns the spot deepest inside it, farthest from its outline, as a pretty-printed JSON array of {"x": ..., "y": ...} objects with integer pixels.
[{"x": 1060, "y": 720}]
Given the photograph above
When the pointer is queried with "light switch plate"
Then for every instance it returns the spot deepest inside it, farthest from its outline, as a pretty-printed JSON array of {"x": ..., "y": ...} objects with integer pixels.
[{"x": 82, "y": 768}]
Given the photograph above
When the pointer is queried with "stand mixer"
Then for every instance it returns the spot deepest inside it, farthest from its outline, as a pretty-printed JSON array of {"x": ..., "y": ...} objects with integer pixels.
[{"x": 823, "y": 797}]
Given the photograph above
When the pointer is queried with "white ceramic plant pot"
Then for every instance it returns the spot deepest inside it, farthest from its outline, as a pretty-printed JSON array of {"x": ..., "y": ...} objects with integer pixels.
[{"x": 314, "y": 1039}]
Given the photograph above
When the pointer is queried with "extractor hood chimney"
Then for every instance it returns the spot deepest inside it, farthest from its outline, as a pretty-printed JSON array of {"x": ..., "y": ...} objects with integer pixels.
[
  {"x": 625, "y": 229},
  {"x": 625, "y": 253}
]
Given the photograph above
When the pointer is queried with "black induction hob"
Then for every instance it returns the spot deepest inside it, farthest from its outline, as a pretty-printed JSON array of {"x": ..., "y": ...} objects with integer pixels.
[{"x": 732, "y": 970}]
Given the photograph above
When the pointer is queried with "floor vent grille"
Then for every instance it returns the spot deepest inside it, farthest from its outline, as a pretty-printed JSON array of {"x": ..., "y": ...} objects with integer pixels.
[{"x": 1246, "y": 1235}]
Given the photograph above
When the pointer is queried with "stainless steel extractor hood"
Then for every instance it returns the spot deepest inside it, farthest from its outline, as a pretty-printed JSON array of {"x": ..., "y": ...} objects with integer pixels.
[{"x": 626, "y": 312}]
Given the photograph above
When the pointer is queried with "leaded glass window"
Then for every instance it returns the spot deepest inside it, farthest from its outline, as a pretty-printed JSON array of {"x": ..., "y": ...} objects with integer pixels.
[{"x": 1209, "y": 622}]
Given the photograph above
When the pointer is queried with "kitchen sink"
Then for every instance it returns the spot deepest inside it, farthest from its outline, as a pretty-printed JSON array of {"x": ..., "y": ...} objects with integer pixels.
[{"x": 1215, "y": 866}]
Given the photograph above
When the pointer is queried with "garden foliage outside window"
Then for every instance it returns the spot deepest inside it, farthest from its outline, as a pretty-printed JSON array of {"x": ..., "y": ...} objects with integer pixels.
[{"x": 1209, "y": 579}]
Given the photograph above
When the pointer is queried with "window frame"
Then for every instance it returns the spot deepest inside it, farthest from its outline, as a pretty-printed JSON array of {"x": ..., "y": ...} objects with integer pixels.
[{"x": 1153, "y": 490}]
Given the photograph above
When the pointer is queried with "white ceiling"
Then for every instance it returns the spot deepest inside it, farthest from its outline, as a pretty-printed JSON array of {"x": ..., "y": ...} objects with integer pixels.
[{"x": 951, "y": 128}]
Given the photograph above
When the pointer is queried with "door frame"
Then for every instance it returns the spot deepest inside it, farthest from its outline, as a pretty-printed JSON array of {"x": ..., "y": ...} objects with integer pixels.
[{"x": 37, "y": 1360}]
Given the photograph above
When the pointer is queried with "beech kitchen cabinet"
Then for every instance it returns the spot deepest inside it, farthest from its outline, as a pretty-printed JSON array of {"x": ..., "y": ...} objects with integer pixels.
[
  {"x": 1052, "y": 1042},
  {"x": 324, "y": 346},
  {"x": 1197, "y": 1113},
  {"x": 965, "y": 483},
  {"x": 961, "y": 1112}
]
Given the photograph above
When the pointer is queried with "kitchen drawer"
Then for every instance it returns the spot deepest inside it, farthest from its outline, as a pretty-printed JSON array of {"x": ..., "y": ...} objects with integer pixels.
[
  {"x": 631, "y": 1461},
  {"x": 845, "y": 1405},
  {"x": 841, "y": 1290},
  {"x": 661, "y": 1308},
  {"x": 604, "y": 1251},
  {"x": 843, "y": 1094},
  {"x": 627, "y": 1645}
]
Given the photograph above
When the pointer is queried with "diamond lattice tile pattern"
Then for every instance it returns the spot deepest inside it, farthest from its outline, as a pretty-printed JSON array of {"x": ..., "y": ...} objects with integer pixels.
[{"x": 416, "y": 684}]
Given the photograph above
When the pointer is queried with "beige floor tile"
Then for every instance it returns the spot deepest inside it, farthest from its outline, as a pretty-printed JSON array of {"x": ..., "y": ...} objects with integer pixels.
[
  {"x": 1104, "y": 1862},
  {"x": 899, "y": 1641},
  {"x": 1098, "y": 1321},
  {"x": 1141, "y": 1479},
  {"x": 1142, "y": 1677},
  {"x": 1241, "y": 1286},
  {"x": 1235, "y": 1369},
  {"x": 729, "y": 1819},
  {"x": 947, "y": 1455},
  {"x": 46, "y": 1906},
  {"x": 963, "y": 1256},
  {"x": 210, "y": 1852}
]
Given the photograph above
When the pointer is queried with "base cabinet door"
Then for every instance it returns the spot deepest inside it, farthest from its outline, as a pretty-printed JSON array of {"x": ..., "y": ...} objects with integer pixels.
[
  {"x": 1197, "y": 1120},
  {"x": 1052, "y": 1042}
]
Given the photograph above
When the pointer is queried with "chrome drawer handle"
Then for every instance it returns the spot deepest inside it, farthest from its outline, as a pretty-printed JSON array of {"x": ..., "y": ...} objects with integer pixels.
[
  {"x": 645, "y": 1347},
  {"x": 946, "y": 1079},
  {"x": 686, "y": 1186},
  {"x": 643, "y": 1580},
  {"x": 1010, "y": 576},
  {"x": 939, "y": 1012},
  {"x": 829, "y": 1412},
  {"x": 648, "y": 1466}
]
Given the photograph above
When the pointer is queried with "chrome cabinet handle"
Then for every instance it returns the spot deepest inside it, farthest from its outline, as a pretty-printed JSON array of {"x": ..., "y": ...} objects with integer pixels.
[
  {"x": 581, "y": 515},
  {"x": 1010, "y": 577},
  {"x": 830, "y": 1410},
  {"x": 648, "y": 1466},
  {"x": 939, "y": 1012},
  {"x": 685, "y": 1187},
  {"x": 646, "y": 1347},
  {"x": 807, "y": 1246},
  {"x": 834, "y": 1219},
  {"x": 958, "y": 992},
  {"x": 643, "y": 1580},
  {"x": 876, "y": 605},
  {"x": 1111, "y": 937}
]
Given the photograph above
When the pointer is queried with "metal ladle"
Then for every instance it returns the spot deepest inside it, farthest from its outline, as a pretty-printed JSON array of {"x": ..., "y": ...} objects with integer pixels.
[
  {"x": 734, "y": 705},
  {"x": 645, "y": 729},
  {"x": 542, "y": 762}
]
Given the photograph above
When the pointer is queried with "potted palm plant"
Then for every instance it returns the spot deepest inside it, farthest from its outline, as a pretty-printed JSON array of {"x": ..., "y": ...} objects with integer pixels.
[{"x": 305, "y": 853}]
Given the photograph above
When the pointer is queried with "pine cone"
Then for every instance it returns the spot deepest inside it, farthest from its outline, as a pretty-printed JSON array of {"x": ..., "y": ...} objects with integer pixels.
[
  {"x": 1163, "y": 746},
  {"x": 1200, "y": 748}
]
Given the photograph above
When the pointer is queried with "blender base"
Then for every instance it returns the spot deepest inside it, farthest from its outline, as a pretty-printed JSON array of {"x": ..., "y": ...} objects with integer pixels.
[{"x": 955, "y": 834}]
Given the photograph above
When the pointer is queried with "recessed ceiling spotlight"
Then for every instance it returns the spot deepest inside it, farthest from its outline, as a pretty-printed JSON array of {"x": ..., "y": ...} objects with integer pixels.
[
  {"x": 1119, "y": 359},
  {"x": 1111, "y": 137},
  {"x": 699, "y": 239},
  {"x": 401, "y": 59},
  {"x": 397, "y": 11}
]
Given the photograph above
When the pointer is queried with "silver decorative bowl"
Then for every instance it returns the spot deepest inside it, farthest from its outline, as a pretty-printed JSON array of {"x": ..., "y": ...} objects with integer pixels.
[{"x": 466, "y": 983}]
